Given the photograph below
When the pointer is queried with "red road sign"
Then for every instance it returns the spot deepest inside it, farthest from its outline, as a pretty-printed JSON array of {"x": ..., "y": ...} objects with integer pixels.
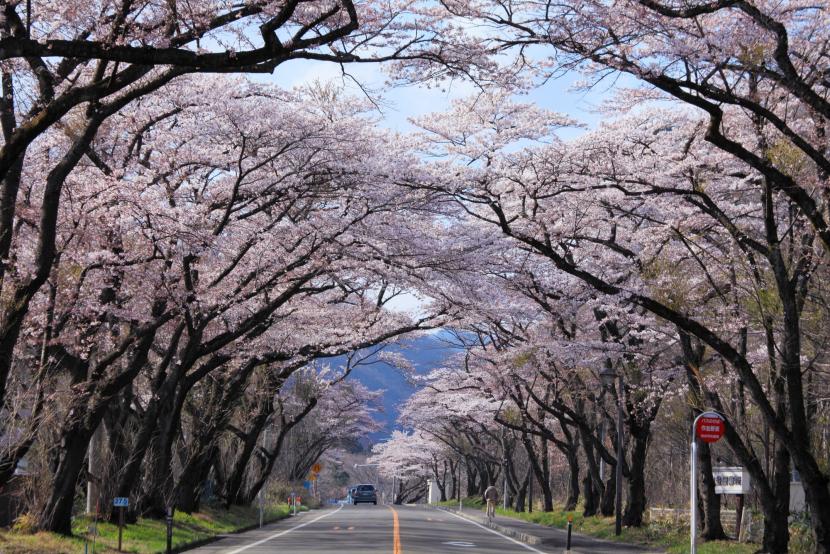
[{"x": 710, "y": 427}]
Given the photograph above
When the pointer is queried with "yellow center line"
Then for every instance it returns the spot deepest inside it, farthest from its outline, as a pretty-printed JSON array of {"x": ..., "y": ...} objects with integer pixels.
[{"x": 396, "y": 532}]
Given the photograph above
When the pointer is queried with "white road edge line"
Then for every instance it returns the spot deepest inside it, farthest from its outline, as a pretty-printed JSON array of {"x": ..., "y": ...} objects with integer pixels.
[
  {"x": 511, "y": 539},
  {"x": 281, "y": 533}
]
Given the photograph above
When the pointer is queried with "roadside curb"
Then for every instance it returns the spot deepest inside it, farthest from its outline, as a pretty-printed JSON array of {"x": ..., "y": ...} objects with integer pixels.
[{"x": 526, "y": 538}]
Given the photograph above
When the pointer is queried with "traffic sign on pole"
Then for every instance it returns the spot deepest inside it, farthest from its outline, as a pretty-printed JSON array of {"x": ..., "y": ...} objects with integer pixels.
[{"x": 709, "y": 427}]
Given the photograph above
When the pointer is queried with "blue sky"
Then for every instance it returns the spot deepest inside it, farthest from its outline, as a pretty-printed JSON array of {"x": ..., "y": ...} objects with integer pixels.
[{"x": 403, "y": 102}]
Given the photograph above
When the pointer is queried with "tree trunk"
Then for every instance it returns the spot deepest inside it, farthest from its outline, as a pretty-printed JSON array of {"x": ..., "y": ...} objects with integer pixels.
[
  {"x": 233, "y": 486},
  {"x": 56, "y": 515},
  {"x": 573, "y": 483},
  {"x": 589, "y": 493},
  {"x": 776, "y": 530},
  {"x": 521, "y": 495},
  {"x": 712, "y": 527},
  {"x": 538, "y": 464},
  {"x": 607, "y": 500},
  {"x": 635, "y": 504}
]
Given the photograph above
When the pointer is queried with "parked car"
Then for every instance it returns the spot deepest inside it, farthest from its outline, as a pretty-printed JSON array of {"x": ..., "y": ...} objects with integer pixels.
[{"x": 364, "y": 494}]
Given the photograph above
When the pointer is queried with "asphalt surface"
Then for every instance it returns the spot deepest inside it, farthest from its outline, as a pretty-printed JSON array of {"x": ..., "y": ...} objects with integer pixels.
[{"x": 375, "y": 529}]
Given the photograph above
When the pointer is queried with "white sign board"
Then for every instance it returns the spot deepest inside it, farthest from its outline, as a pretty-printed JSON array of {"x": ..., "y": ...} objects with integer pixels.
[
  {"x": 120, "y": 501},
  {"x": 731, "y": 480}
]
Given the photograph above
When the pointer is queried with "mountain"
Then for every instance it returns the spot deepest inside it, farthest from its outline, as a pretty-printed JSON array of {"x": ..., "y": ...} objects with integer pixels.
[{"x": 425, "y": 353}]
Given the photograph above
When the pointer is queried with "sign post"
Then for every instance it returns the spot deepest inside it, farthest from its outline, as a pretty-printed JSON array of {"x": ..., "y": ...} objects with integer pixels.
[
  {"x": 708, "y": 427},
  {"x": 120, "y": 502}
]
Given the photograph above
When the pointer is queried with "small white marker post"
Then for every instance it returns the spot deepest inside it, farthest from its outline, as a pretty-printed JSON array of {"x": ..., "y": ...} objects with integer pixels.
[
  {"x": 709, "y": 427},
  {"x": 260, "y": 508}
]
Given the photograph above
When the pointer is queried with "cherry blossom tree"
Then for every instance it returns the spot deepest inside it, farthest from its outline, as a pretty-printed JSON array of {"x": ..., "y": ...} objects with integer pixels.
[{"x": 609, "y": 210}]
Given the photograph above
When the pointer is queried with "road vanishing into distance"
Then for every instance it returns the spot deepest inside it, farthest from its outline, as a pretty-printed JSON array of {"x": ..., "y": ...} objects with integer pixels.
[{"x": 375, "y": 530}]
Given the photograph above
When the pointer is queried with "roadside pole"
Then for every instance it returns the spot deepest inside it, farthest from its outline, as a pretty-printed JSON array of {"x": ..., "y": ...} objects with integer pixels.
[
  {"x": 570, "y": 528},
  {"x": 693, "y": 492},
  {"x": 120, "y": 502},
  {"x": 708, "y": 427},
  {"x": 260, "y": 507},
  {"x": 95, "y": 524},
  {"x": 460, "y": 504},
  {"x": 169, "y": 521}
]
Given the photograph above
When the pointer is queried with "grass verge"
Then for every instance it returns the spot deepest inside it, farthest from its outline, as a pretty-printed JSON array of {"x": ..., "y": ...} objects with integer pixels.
[
  {"x": 147, "y": 536},
  {"x": 672, "y": 539}
]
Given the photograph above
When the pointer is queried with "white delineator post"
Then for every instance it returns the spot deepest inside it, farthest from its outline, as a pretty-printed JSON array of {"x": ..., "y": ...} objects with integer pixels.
[{"x": 709, "y": 427}]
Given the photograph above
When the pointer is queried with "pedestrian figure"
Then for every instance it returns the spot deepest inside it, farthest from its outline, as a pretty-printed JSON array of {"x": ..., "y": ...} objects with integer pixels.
[{"x": 491, "y": 496}]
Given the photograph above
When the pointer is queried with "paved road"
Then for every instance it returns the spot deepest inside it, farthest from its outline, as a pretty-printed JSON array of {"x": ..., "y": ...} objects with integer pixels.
[{"x": 376, "y": 530}]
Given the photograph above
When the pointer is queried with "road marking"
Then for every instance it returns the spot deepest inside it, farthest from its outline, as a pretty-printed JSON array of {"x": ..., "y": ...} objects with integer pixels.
[
  {"x": 396, "y": 532},
  {"x": 514, "y": 541},
  {"x": 281, "y": 533},
  {"x": 462, "y": 544}
]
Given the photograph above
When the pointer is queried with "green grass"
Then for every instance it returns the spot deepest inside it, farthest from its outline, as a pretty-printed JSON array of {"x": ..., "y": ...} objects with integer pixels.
[
  {"x": 673, "y": 539},
  {"x": 147, "y": 536},
  {"x": 474, "y": 502}
]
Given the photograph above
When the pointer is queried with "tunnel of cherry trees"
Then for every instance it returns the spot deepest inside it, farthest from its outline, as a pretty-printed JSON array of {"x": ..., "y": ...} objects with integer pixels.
[{"x": 196, "y": 257}]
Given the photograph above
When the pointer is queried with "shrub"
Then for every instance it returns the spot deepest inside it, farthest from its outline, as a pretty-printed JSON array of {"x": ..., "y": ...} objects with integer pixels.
[{"x": 25, "y": 524}]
